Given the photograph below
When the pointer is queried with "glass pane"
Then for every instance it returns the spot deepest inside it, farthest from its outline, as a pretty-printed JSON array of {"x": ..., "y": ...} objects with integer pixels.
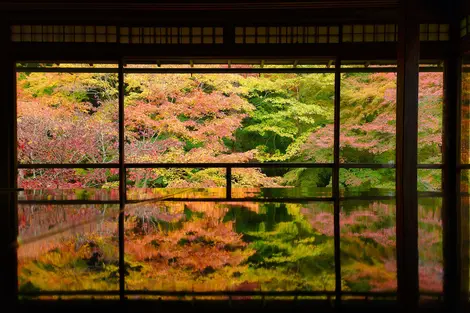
[
  {"x": 68, "y": 184},
  {"x": 68, "y": 247},
  {"x": 368, "y": 245},
  {"x": 67, "y": 118},
  {"x": 465, "y": 174},
  {"x": 465, "y": 220},
  {"x": 367, "y": 182},
  {"x": 465, "y": 227},
  {"x": 368, "y": 118},
  {"x": 429, "y": 180},
  {"x": 430, "y": 114},
  {"x": 208, "y": 246},
  {"x": 465, "y": 182},
  {"x": 465, "y": 114},
  {"x": 160, "y": 183},
  {"x": 430, "y": 248},
  {"x": 229, "y": 117},
  {"x": 270, "y": 183}
]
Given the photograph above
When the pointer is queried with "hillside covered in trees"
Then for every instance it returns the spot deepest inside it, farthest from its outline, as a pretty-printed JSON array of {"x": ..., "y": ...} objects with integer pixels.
[{"x": 219, "y": 118}]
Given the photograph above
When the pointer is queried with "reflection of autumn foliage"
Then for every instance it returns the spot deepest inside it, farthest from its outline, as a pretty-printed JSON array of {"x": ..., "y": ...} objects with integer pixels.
[
  {"x": 368, "y": 239},
  {"x": 168, "y": 239},
  {"x": 61, "y": 222},
  {"x": 66, "y": 118},
  {"x": 430, "y": 246},
  {"x": 323, "y": 222},
  {"x": 79, "y": 249},
  {"x": 198, "y": 248},
  {"x": 82, "y": 263},
  {"x": 465, "y": 116},
  {"x": 209, "y": 246}
]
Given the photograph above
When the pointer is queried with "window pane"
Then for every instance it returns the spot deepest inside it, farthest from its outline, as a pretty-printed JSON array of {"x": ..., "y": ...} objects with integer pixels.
[
  {"x": 67, "y": 118},
  {"x": 270, "y": 183},
  {"x": 430, "y": 114},
  {"x": 465, "y": 114},
  {"x": 429, "y": 180},
  {"x": 368, "y": 118},
  {"x": 465, "y": 182},
  {"x": 229, "y": 117},
  {"x": 368, "y": 245},
  {"x": 431, "y": 268},
  {"x": 465, "y": 220},
  {"x": 465, "y": 174},
  {"x": 465, "y": 226},
  {"x": 69, "y": 184},
  {"x": 68, "y": 247},
  {"x": 367, "y": 182},
  {"x": 204, "y": 246},
  {"x": 160, "y": 183}
]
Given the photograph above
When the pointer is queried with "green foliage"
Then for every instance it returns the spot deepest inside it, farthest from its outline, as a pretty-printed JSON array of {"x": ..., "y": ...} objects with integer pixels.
[
  {"x": 293, "y": 248},
  {"x": 72, "y": 118},
  {"x": 307, "y": 178},
  {"x": 287, "y": 109}
]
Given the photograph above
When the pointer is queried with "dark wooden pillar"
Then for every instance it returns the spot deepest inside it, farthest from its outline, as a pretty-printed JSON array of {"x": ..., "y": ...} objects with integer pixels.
[
  {"x": 8, "y": 229},
  {"x": 406, "y": 158},
  {"x": 451, "y": 155}
]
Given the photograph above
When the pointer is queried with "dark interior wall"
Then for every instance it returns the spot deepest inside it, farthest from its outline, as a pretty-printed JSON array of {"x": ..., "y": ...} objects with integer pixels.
[
  {"x": 234, "y": 15},
  {"x": 465, "y": 6},
  {"x": 321, "y": 11}
]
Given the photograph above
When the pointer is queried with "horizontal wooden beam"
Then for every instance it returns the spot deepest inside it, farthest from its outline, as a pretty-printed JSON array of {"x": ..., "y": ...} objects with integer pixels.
[
  {"x": 205, "y": 5},
  {"x": 81, "y": 52}
]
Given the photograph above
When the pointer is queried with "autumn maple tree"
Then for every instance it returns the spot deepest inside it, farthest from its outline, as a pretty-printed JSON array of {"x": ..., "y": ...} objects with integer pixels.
[{"x": 220, "y": 118}]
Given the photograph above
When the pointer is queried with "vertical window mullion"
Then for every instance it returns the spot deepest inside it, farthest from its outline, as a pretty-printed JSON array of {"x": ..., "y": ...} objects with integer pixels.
[
  {"x": 228, "y": 182},
  {"x": 122, "y": 182},
  {"x": 328, "y": 34},
  {"x": 336, "y": 194}
]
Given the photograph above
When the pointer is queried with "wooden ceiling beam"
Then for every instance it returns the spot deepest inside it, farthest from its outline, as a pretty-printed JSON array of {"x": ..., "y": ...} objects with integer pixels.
[
  {"x": 363, "y": 52},
  {"x": 195, "y": 6}
]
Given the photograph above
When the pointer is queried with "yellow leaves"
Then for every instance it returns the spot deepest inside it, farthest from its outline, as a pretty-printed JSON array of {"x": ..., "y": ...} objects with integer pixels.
[{"x": 379, "y": 277}]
